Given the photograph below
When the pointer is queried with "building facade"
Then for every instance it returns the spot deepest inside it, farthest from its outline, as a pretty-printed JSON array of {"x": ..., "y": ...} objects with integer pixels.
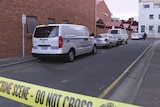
[
  {"x": 103, "y": 15},
  {"x": 149, "y": 17},
  {"x": 39, "y": 12}
]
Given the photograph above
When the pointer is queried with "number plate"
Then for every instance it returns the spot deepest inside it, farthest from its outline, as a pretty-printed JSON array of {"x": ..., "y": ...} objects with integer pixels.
[{"x": 44, "y": 48}]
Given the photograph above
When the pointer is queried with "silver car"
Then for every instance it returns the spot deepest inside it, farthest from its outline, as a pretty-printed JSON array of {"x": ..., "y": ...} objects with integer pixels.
[
  {"x": 136, "y": 36},
  {"x": 106, "y": 40}
]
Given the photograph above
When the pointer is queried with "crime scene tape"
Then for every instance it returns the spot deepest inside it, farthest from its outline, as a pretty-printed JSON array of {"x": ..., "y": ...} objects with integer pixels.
[{"x": 40, "y": 96}]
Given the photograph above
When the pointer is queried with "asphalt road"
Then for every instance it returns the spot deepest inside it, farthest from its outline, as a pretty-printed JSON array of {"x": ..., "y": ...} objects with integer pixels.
[{"x": 88, "y": 74}]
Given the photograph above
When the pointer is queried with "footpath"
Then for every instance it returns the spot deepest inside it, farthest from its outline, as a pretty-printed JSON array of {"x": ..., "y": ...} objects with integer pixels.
[
  {"x": 149, "y": 91},
  {"x": 141, "y": 87},
  {"x": 17, "y": 60}
]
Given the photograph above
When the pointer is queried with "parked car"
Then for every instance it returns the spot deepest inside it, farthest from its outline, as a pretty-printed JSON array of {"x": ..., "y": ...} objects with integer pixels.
[
  {"x": 62, "y": 39},
  {"x": 121, "y": 34},
  {"x": 136, "y": 36},
  {"x": 106, "y": 40}
]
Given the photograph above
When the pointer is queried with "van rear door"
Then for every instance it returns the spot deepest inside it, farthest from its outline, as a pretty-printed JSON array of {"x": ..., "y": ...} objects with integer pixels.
[{"x": 46, "y": 38}]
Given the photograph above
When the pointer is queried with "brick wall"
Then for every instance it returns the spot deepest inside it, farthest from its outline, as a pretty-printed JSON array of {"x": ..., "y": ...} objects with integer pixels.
[
  {"x": 101, "y": 9},
  {"x": 75, "y": 11}
]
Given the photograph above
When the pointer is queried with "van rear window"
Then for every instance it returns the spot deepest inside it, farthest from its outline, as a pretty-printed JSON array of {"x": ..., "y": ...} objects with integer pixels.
[
  {"x": 114, "y": 32},
  {"x": 46, "y": 32}
]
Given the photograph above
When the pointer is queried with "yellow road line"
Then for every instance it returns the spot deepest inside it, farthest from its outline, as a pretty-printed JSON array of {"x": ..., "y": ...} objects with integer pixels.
[{"x": 105, "y": 92}]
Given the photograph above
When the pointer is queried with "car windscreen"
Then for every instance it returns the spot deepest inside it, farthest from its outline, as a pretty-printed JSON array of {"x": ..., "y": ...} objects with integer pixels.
[
  {"x": 46, "y": 32},
  {"x": 114, "y": 32}
]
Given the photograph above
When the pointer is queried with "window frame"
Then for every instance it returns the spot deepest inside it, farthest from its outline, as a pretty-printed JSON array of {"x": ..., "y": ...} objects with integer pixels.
[
  {"x": 65, "y": 21},
  {"x": 158, "y": 29},
  {"x": 142, "y": 28},
  {"x": 151, "y": 28},
  {"x": 31, "y": 24},
  {"x": 151, "y": 16},
  {"x": 146, "y": 6},
  {"x": 156, "y": 5},
  {"x": 51, "y": 20},
  {"x": 159, "y": 16}
]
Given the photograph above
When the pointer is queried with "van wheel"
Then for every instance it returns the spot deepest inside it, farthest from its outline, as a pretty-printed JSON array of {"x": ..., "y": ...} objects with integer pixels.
[
  {"x": 94, "y": 50},
  {"x": 71, "y": 56}
]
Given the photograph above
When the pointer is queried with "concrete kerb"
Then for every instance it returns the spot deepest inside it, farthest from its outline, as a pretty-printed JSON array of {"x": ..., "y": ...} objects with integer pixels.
[
  {"x": 128, "y": 89},
  {"x": 13, "y": 61}
]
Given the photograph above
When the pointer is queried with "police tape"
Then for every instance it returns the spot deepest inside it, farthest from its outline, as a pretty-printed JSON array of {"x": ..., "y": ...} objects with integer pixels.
[{"x": 39, "y": 96}]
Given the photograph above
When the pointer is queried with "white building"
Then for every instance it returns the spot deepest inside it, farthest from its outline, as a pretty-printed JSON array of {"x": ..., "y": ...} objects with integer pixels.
[{"x": 149, "y": 17}]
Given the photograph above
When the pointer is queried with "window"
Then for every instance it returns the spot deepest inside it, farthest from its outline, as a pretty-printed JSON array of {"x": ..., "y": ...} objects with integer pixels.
[
  {"x": 87, "y": 32},
  {"x": 79, "y": 31},
  {"x": 31, "y": 24},
  {"x": 51, "y": 21},
  {"x": 158, "y": 29},
  {"x": 157, "y": 5},
  {"x": 150, "y": 28},
  {"x": 114, "y": 31},
  {"x": 67, "y": 31},
  {"x": 142, "y": 28},
  {"x": 151, "y": 16},
  {"x": 46, "y": 32},
  {"x": 146, "y": 6},
  {"x": 65, "y": 21}
]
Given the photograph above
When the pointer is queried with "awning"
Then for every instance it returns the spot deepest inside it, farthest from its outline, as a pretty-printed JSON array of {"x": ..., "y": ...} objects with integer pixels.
[
  {"x": 113, "y": 23},
  {"x": 134, "y": 27}
]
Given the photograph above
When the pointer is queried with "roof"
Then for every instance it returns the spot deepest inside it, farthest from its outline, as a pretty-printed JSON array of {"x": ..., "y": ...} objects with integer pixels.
[
  {"x": 113, "y": 23},
  {"x": 98, "y": 1},
  {"x": 58, "y": 25},
  {"x": 156, "y": 1},
  {"x": 97, "y": 18},
  {"x": 102, "y": 10},
  {"x": 125, "y": 26},
  {"x": 134, "y": 27}
]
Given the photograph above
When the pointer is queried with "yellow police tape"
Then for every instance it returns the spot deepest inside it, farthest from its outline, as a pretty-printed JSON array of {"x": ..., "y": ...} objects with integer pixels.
[{"x": 39, "y": 96}]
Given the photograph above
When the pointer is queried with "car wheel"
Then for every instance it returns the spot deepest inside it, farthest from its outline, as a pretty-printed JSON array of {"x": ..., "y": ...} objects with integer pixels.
[
  {"x": 94, "y": 50},
  {"x": 110, "y": 45},
  {"x": 71, "y": 56},
  {"x": 126, "y": 41},
  {"x": 120, "y": 42},
  {"x": 117, "y": 44}
]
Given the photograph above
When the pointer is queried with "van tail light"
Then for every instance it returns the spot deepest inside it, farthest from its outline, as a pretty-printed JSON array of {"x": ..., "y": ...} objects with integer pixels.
[
  {"x": 106, "y": 40},
  {"x": 60, "y": 41}
]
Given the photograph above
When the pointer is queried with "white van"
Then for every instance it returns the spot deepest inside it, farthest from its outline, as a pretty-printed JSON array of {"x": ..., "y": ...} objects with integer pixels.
[
  {"x": 121, "y": 34},
  {"x": 62, "y": 39}
]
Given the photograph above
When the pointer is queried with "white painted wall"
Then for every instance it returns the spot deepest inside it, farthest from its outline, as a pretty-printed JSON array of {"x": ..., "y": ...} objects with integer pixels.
[{"x": 144, "y": 19}]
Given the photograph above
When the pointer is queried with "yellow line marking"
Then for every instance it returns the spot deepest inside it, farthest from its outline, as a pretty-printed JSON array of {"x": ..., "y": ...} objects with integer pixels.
[{"x": 105, "y": 92}]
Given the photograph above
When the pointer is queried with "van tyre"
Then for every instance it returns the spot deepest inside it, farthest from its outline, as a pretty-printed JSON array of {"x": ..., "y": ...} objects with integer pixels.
[{"x": 71, "y": 56}]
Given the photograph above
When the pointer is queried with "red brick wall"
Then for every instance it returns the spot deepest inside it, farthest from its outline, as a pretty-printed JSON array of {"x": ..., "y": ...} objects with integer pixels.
[
  {"x": 102, "y": 7},
  {"x": 102, "y": 30},
  {"x": 75, "y": 11}
]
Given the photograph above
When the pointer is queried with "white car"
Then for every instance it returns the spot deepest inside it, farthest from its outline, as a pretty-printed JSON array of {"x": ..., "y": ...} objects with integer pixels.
[
  {"x": 121, "y": 34},
  {"x": 106, "y": 40},
  {"x": 62, "y": 39},
  {"x": 136, "y": 36}
]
